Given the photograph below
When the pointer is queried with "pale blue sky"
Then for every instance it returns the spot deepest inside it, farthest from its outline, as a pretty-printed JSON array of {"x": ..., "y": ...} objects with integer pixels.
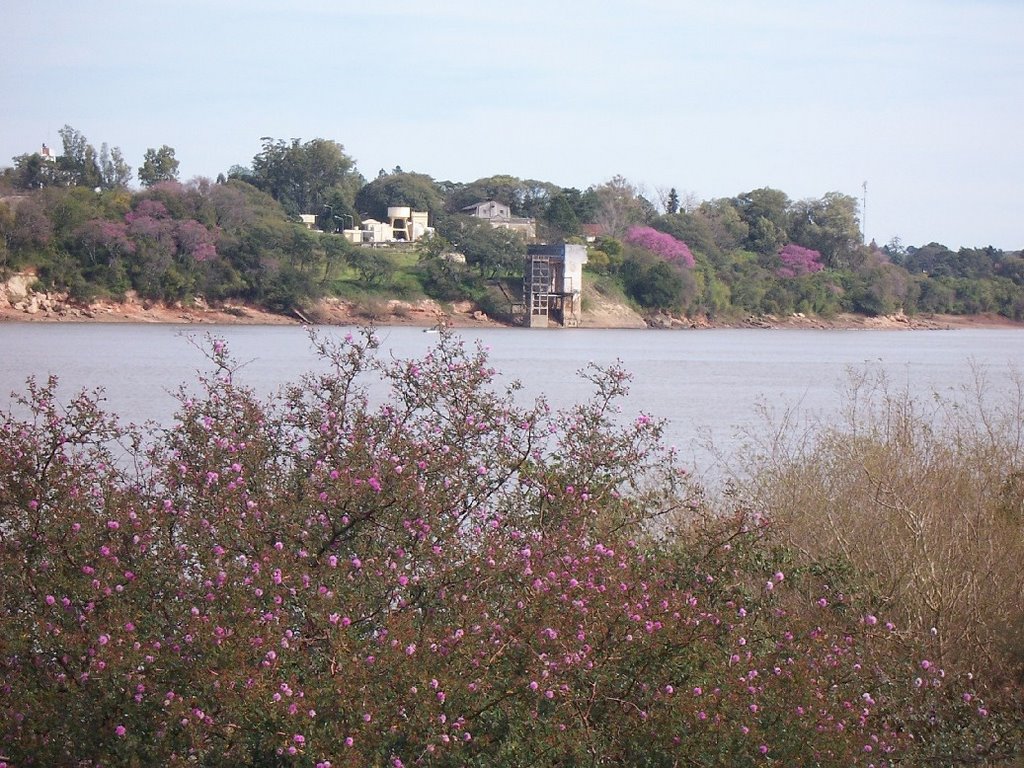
[{"x": 923, "y": 99}]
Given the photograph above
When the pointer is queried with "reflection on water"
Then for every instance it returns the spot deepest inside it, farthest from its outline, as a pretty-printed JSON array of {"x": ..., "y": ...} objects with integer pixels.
[{"x": 707, "y": 382}]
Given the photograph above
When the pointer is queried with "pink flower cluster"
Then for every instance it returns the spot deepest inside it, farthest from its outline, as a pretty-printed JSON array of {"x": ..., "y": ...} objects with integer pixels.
[
  {"x": 797, "y": 261},
  {"x": 662, "y": 244}
]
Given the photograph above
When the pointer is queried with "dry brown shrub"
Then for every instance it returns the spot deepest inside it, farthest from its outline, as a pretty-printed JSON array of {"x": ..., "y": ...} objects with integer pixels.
[{"x": 928, "y": 498}]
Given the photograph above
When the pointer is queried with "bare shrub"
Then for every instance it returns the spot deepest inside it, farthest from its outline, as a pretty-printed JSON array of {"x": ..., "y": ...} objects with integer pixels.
[{"x": 927, "y": 497}]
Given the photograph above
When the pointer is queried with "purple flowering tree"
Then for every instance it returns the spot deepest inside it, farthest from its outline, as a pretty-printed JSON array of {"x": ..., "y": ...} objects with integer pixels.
[
  {"x": 105, "y": 240},
  {"x": 195, "y": 240},
  {"x": 797, "y": 261},
  {"x": 661, "y": 244}
]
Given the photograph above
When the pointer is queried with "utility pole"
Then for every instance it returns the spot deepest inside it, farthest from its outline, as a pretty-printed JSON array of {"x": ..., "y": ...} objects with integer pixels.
[{"x": 864, "y": 214}]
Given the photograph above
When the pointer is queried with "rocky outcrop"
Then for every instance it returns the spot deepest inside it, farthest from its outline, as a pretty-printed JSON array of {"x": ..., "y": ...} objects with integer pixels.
[{"x": 18, "y": 294}]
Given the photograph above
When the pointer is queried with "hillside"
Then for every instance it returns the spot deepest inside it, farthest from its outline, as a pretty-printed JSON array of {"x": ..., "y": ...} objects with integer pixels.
[{"x": 248, "y": 246}]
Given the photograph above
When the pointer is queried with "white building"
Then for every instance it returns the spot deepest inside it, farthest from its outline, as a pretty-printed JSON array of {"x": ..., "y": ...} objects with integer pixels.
[
  {"x": 553, "y": 284},
  {"x": 500, "y": 216}
]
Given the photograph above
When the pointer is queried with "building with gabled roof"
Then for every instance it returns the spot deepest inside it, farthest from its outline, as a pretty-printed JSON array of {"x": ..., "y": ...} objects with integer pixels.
[{"x": 499, "y": 215}]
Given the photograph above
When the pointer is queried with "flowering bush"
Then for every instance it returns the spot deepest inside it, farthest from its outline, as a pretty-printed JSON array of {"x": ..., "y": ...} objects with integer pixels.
[
  {"x": 448, "y": 578},
  {"x": 797, "y": 260},
  {"x": 151, "y": 221},
  {"x": 662, "y": 244}
]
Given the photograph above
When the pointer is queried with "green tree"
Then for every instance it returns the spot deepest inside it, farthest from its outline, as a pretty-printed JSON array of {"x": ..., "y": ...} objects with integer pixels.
[
  {"x": 493, "y": 251},
  {"x": 691, "y": 228},
  {"x": 6, "y": 230},
  {"x": 33, "y": 171},
  {"x": 506, "y": 189},
  {"x": 748, "y": 281},
  {"x": 441, "y": 275},
  {"x": 115, "y": 173},
  {"x": 79, "y": 164},
  {"x": 303, "y": 175},
  {"x": 158, "y": 165},
  {"x": 31, "y": 228},
  {"x": 727, "y": 227},
  {"x": 830, "y": 226},
  {"x": 766, "y": 214},
  {"x": 336, "y": 251},
  {"x": 526, "y": 197},
  {"x": 560, "y": 218},
  {"x": 536, "y": 195},
  {"x": 416, "y": 190},
  {"x": 672, "y": 204},
  {"x": 651, "y": 281},
  {"x": 374, "y": 267}
]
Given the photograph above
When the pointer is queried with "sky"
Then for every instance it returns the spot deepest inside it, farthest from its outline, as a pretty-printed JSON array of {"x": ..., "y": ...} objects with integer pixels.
[{"x": 922, "y": 101}]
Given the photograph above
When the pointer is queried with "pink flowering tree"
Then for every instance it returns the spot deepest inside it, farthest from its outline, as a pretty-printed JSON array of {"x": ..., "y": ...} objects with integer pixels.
[
  {"x": 448, "y": 578},
  {"x": 171, "y": 253},
  {"x": 798, "y": 261},
  {"x": 195, "y": 240},
  {"x": 104, "y": 240},
  {"x": 661, "y": 244}
]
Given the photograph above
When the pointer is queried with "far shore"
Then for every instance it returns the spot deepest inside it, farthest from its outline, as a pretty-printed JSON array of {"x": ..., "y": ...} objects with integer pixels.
[
  {"x": 337, "y": 313},
  {"x": 43, "y": 308}
]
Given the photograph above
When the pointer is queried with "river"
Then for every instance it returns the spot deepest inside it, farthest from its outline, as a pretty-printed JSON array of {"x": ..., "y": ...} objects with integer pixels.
[{"x": 710, "y": 385}]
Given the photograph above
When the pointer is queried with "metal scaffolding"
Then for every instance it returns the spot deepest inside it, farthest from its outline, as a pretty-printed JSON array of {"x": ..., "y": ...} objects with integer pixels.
[{"x": 548, "y": 294}]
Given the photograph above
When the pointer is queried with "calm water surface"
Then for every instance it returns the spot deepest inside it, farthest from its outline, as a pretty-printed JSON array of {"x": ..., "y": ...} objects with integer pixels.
[{"x": 705, "y": 383}]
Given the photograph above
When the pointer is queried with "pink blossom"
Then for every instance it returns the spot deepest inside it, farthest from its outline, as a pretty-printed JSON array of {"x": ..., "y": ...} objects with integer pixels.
[
  {"x": 797, "y": 261},
  {"x": 661, "y": 244}
]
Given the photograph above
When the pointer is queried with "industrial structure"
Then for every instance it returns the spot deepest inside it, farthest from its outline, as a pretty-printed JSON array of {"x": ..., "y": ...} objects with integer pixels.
[
  {"x": 407, "y": 224},
  {"x": 552, "y": 284}
]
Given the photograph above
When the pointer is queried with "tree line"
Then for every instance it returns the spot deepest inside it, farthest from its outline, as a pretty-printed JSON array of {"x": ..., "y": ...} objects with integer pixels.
[{"x": 76, "y": 220}]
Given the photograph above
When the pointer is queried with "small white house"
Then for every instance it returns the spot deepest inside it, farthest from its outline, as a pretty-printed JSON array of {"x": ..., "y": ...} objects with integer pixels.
[
  {"x": 500, "y": 216},
  {"x": 489, "y": 209}
]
